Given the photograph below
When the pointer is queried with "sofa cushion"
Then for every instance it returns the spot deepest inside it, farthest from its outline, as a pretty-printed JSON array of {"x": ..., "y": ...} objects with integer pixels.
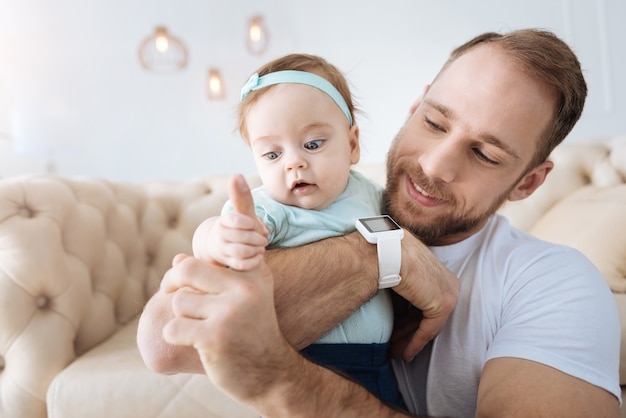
[
  {"x": 112, "y": 381},
  {"x": 592, "y": 220},
  {"x": 575, "y": 166},
  {"x": 73, "y": 269}
]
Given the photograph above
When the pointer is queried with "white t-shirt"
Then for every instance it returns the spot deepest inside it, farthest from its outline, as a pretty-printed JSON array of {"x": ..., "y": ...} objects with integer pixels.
[{"x": 523, "y": 298}]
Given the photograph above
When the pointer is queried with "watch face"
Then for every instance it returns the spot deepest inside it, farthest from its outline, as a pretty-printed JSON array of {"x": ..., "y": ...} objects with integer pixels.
[{"x": 380, "y": 224}]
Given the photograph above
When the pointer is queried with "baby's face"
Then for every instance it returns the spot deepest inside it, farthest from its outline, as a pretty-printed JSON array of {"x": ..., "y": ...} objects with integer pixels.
[{"x": 302, "y": 144}]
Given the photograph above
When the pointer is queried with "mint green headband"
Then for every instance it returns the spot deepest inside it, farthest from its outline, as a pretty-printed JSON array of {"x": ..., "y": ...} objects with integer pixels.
[{"x": 298, "y": 77}]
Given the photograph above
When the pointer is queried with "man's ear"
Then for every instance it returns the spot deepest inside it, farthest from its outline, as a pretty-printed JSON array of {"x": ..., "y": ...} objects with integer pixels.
[
  {"x": 531, "y": 181},
  {"x": 355, "y": 147}
]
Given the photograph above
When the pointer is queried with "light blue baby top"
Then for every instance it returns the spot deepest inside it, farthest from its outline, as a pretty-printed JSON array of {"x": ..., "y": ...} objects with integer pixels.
[{"x": 291, "y": 226}]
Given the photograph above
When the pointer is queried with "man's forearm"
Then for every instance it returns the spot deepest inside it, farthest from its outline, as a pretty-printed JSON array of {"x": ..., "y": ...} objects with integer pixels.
[
  {"x": 320, "y": 284},
  {"x": 304, "y": 389},
  {"x": 316, "y": 287},
  {"x": 230, "y": 320}
]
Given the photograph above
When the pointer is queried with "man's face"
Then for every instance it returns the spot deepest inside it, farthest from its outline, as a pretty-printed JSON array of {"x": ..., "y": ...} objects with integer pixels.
[{"x": 466, "y": 149}]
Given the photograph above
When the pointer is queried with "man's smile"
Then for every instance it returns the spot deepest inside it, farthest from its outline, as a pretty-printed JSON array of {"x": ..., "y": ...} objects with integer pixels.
[{"x": 420, "y": 195}]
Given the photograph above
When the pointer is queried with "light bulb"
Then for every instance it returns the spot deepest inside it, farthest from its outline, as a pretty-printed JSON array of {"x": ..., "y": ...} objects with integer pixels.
[
  {"x": 215, "y": 85},
  {"x": 255, "y": 31},
  {"x": 161, "y": 41},
  {"x": 162, "y": 44},
  {"x": 257, "y": 35}
]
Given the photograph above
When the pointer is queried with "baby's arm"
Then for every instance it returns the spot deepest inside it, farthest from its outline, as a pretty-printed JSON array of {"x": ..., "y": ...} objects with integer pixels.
[{"x": 233, "y": 239}]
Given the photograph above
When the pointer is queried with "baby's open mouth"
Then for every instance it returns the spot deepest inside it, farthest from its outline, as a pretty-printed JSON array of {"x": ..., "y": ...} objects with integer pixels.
[{"x": 302, "y": 187}]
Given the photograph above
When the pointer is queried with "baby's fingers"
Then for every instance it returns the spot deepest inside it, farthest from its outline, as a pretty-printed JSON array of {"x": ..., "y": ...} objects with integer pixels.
[
  {"x": 230, "y": 233},
  {"x": 245, "y": 264}
]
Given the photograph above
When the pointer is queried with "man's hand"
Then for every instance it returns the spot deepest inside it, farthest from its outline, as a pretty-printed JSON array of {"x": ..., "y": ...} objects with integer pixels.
[
  {"x": 228, "y": 316},
  {"x": 434, "y": 291}
]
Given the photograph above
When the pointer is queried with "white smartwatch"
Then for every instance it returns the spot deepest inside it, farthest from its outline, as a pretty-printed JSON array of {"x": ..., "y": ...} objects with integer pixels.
[{"x": 387, "y": 235}]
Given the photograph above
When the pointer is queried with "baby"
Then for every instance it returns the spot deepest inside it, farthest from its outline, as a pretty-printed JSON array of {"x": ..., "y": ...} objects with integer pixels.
[{"x": 297, "y": 116}]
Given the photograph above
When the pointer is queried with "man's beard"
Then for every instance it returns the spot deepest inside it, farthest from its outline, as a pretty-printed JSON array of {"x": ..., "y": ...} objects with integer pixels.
[{"x": 448, "y": 224}]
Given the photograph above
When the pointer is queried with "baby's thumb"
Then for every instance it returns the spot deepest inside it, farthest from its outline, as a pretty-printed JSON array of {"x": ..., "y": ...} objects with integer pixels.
[{"x": 240, "y": 196}]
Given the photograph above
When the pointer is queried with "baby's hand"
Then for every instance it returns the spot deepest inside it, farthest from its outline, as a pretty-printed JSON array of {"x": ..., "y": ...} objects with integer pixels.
[{"x": 236, "y": 239}]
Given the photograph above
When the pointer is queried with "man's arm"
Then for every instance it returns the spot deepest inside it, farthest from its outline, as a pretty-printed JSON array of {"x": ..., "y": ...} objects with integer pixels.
[
  {"x": 318, "y": 285},
  {"x": 345, "y": 275},
  {"x": 230, "y": 320},
  {"x": 308, "y": 390},
  {"x": 514, "y": 387}
]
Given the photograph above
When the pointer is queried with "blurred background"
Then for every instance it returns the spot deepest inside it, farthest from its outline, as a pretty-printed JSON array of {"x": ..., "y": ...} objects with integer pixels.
[{"x": 120, "y": 88}]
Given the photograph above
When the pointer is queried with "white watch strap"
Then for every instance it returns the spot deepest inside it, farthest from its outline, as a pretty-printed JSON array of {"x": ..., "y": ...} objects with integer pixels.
[{"x": 389, "y": 262}]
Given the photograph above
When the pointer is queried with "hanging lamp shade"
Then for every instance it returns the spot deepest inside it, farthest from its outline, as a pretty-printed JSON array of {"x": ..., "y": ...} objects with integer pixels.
[{"x": 162, "y": 52}]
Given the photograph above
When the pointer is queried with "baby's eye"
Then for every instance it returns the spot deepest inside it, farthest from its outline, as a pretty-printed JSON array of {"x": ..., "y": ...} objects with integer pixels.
[
  {"x": 313, "y": 145},
  {"x": 272, "y": 155}
]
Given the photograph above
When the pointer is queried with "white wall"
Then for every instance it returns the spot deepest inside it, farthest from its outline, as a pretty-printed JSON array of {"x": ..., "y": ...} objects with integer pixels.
[{"x": 69, "y": 72}]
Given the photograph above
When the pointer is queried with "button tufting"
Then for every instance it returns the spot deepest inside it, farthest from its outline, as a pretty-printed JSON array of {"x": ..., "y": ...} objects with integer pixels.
[
  {"x": 173, "y": 222},
  {"x": 26, "y": 212},
  {"x": 41, "y": 302}
]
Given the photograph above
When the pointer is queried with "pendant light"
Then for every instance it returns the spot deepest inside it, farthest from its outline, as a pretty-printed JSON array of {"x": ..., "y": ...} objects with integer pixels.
[{"x": 162, "y": 52}]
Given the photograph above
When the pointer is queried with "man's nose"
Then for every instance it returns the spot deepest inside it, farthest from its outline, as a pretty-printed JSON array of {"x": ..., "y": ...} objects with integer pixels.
[{"x": 442, "y": 160}]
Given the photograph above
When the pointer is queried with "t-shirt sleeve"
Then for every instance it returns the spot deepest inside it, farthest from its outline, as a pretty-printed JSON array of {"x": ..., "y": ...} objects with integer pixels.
[{"x": 561, "y": 314}]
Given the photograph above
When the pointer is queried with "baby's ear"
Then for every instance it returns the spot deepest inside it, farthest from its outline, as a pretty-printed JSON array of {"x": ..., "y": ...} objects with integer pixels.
[{"x": 355, "y": 147}]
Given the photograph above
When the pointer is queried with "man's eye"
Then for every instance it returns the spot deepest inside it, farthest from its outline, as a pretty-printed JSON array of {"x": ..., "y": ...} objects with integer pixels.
[
  {"x": 432, "y": 125},
  {"x": 272, "y": 155},
  {"x": 313, "y": 145},
  {"x": 483, "y": 157}
]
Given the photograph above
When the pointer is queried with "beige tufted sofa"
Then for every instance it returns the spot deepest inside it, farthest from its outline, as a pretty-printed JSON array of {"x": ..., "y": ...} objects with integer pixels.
[{"x": 80, "y": 257}]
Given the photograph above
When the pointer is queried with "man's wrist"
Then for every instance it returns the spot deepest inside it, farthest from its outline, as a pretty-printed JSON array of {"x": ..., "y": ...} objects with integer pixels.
[
  {"x": 289, "y": 395},
  {"x": 387, "y": 235},
  {"x": 366, "y": 258}
]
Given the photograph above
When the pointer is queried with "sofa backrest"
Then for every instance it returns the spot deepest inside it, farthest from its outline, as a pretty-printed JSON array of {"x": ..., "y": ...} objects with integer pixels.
[
  {"x": 78, "y": 259},
  {"x": 71, "y": 270}
]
